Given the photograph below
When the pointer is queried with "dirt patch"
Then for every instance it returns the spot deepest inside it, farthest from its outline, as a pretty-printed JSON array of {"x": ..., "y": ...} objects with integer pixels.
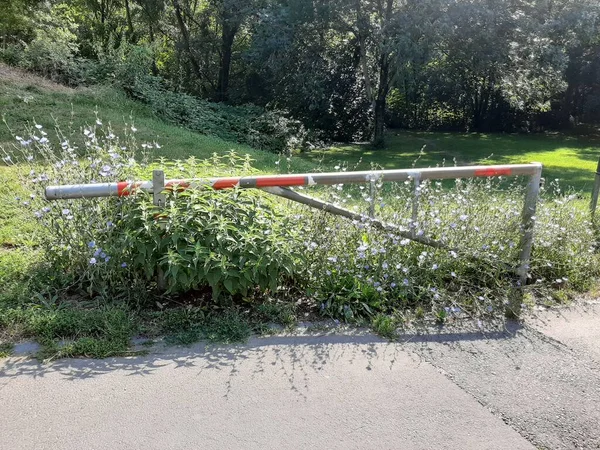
[{"x": 23, "y": 78}]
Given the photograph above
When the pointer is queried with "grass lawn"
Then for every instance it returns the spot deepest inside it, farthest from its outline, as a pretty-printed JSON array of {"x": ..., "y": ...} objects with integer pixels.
[
  {"x": 104, "y": 330},
  {"x": 571, "y": 159},
  {"x": 25, "y": 99}
]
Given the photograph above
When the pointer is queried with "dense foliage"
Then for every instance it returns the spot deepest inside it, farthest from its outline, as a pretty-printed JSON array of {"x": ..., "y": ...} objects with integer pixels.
[
  {"x": 240, "y": 246},
  {"x": 345, "y": 68}
]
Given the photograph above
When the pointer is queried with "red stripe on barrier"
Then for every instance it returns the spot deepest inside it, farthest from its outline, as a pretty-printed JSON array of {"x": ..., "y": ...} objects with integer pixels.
[
  {"x": 281, "y": 181},
  {"x": 225, "y": 183},
  {"x": 124, "y": 188},
  {"x": 493, "y": 172},
  {"x": 181, "y": 185}
]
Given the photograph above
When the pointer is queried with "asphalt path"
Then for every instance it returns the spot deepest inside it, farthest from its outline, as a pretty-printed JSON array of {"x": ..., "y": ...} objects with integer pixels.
[{"x": 534, "y": 385}]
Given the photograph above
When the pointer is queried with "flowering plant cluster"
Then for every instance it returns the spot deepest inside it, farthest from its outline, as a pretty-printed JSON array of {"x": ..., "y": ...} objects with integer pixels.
[
  {"x": 357, "y": 269},
  {"x": 242, "y": 245}
]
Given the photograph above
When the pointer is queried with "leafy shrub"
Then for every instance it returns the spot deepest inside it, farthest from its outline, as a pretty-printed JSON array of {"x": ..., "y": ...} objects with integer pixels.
[
  {"x": 241, "y": 245},
  {"x": 357, "y": 270},
  {"x": 234, "y": 242},
  {"x": 248, "y": 124}
]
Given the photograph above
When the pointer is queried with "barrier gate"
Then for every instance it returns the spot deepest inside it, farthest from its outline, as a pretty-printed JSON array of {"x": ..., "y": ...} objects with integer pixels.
[{"x": 280, "y": 185}]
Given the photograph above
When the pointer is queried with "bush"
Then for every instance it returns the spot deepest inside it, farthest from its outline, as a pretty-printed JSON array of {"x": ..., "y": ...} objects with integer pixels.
[
  {"x": 241, "y": 245},
  {"x": 235, "y": 243},
  {"x": 248, "y": 124},
  {"x": 357, "y": 270}
]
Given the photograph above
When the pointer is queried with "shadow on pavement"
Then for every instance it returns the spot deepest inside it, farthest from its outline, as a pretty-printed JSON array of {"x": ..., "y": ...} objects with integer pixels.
[{"x": 293, "y": 355}]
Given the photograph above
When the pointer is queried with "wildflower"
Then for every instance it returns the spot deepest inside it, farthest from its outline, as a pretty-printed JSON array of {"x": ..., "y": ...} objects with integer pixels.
[
  {"x": 384, "y": 265},
  {"x": 333, "y": 259},
  {"x": 38, "y": 214},
  {"x": 38, "y": 126},
  {"x": 91, "y": 244},
  {"x": 134, "y": 129},
  {"x": 102, "y": 255},
  {"x": 66, "y": 212},
  {"x": 93, "y": 261},
  {"x": 98, "y": 251},
  {"x": 453, "y": 274},
  {"x": 123, "y": 265},
  {"x": 7, "y": 159},
  {"x": 434, "y": 267},
  {"x": 405, "y": 282},
  {"x": 464, "y": 217},
  {"x": 392, "y": 285},
  {"x": 86, "y": 132},
  {"x": 480, "y": 298},
  {"x": 98, "y": 122},
  {"x": 107, "y": 259},
  {"x": 379, "y": 289},
  {"x": 404, "y": 241},
  {"x": 43, "y": 140},
  {"x": 18, "y": 138}
]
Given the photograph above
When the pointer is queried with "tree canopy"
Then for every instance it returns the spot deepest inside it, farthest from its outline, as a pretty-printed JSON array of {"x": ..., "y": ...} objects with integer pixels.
[{"x": 345, "y": 68}]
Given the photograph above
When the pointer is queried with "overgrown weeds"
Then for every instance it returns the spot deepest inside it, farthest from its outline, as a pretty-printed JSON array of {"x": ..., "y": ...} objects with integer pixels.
[{"x": 234, "y": 262}]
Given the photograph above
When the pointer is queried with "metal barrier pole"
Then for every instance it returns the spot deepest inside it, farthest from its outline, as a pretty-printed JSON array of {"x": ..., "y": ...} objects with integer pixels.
[
  {"x": 159, "y": 199},
  {"x": 415, "y": 205},
  {"x": 527, "y": 224},
  {"x": 595, "y": 192},
  {"x": 372, "y": 195}
]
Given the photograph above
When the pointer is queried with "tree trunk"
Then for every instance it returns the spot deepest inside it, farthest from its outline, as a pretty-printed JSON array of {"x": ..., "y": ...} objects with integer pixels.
[
  {"x": 227, "y": 37},
  {"x": 381, "y": 102},
  {"x": 131, "y": 31},
  {"x": 186, "y": 39},
  {"x": 383, "y": 85},
  {"x": 379, "y": 126}
]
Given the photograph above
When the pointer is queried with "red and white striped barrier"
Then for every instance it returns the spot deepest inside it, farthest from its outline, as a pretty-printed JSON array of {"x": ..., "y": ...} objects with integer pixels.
[
  {"x": 125, "y": 188},
  {"x": 279, "y": 185}
]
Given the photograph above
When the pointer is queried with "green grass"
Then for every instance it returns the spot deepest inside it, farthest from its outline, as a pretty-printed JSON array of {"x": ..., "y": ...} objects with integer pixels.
[
  {"x": 27, "y": 99},
  {"x": 571, "y": 159},
  {"x": 69, "y": 328}
]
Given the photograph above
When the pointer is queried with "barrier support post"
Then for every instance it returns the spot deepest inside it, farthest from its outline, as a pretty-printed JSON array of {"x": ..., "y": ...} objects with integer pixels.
[
  {"x": 415, "y": 204},
  {"x": 527, "y": 225},
  {"x": 159, "y": 199},
  {"x": 595, "y": 192}
]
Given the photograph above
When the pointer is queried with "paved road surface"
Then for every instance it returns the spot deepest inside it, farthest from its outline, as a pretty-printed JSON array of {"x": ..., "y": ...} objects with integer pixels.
[{"x": 462, "y": 389}]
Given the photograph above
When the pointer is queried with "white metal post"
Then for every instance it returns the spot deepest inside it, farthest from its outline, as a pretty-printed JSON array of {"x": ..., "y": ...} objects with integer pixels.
[
  {"x": 159, "y": 199},
  {"x": 527, "y": 225}
]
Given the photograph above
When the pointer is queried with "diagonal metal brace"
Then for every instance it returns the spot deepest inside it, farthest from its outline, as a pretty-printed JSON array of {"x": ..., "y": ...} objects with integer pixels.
[{"x": 333, "y": 209}]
